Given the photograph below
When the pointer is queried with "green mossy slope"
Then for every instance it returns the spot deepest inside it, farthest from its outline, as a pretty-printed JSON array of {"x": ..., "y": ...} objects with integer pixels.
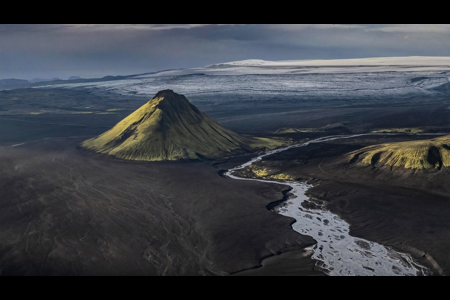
[
  {"x": 424, "y": 154},
  {"x": 168, "y": 127}
]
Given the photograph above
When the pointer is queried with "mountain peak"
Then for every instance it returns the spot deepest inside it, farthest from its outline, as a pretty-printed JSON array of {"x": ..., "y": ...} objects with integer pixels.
[
  {"x": 166, "y": 92},
  {"x": 173, "y": 109},
  {"x": 165, "y": 98}
]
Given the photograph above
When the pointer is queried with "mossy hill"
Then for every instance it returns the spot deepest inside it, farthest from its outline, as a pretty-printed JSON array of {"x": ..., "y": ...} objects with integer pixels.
[
  {"x": 423, "y": 154},
  {"x": 169, "y": 127}
]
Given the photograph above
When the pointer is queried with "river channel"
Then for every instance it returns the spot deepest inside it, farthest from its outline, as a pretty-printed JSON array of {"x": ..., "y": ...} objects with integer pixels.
[{"x": 337, "y": 253}]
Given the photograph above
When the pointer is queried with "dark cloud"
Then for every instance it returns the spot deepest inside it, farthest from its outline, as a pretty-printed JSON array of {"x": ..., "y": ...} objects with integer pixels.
[{"x": 63, "y": 50}]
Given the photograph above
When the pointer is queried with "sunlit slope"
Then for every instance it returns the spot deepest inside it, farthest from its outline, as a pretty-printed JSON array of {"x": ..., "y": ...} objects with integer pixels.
[
  {"x": 424, "y": 154},
  {"x": 168, "y": 127}
]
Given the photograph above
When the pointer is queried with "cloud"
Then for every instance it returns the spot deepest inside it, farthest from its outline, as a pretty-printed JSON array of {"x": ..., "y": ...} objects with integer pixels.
[
  {"x": 412, "y": 28},
  {"x": 132, "y": 27},
  {"x": 296, "y": 27},
  {"x": 127, "y": 48},
  {"x": 30, "y": 28}
]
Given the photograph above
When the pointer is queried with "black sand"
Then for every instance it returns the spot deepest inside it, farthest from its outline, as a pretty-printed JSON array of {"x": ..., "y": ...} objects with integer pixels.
[{"x": 68, "y": 212}]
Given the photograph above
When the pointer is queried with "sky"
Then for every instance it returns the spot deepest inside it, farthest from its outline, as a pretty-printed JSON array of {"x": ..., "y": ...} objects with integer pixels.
[{"x": 29, "y": 51}]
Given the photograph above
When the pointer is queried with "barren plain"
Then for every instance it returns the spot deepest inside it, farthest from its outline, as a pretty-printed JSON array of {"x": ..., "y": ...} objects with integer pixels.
[{"x": 68, "y": 211}]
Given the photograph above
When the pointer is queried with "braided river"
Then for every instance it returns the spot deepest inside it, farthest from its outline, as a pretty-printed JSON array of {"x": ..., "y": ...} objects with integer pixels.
[{"x": 336, "y": 252}]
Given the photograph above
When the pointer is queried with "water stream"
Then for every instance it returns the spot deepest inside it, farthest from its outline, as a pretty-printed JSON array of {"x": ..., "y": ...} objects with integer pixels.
[{"x": 336, "y": 251}]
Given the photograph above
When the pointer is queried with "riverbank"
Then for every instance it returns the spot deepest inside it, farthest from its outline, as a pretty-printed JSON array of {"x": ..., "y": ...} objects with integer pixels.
[
  {"x": 336, "y": 251},
  {"x": 291, "y": 263},
  {"x": 398, "y": 216}
]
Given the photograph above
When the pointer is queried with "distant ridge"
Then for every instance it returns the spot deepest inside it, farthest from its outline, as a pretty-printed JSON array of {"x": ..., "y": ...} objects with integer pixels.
[
  {"x": 12, "y": 83},
  {"x": 168, "y": 127},
  {"x": 373, "y": 61},
  {"x": 328, "y": 66}
]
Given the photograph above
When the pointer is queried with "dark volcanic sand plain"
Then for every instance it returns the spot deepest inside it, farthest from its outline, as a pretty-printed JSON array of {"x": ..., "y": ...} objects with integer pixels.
[{"x": 65, "y": 211}]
